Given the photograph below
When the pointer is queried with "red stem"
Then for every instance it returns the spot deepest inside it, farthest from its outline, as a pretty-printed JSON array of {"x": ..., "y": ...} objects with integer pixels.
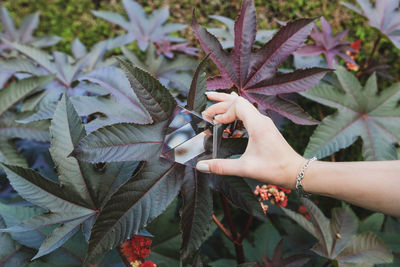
[
  {"x": 238, "y": 246},
  {"x": 246, "y": 229},
  {"x": 222, "y": 227}
]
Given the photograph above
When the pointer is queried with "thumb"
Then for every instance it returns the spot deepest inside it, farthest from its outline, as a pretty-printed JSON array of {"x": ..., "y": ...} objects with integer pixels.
[{"x": 221, "y": 166}]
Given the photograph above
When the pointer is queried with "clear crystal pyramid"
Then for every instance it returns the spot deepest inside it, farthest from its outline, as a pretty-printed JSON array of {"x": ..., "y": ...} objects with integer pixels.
[{"x": 189, "y": 138}]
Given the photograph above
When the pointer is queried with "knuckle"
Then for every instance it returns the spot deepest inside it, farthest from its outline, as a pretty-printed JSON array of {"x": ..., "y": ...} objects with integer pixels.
[{"x": 217, "y": 167}]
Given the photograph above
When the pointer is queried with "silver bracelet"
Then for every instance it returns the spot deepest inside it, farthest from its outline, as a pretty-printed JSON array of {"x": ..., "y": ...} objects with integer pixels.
[{"x": 300, "y": 176}]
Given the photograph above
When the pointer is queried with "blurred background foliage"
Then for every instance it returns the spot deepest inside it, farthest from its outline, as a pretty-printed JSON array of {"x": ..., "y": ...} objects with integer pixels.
[{"x": 76, "y": 21}]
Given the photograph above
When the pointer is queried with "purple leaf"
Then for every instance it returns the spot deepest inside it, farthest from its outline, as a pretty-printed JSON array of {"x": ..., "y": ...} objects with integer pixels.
[
  {"x": 328, "y": 44},
  {"x": 218, "y": 82},
  {"x": 297, "y": 81},
  {"x": 254, "y": 72},
  {"x": 212, "y": 46},
  {"x": 245, "y": 35},
  {"x": 285, "y": 107}
]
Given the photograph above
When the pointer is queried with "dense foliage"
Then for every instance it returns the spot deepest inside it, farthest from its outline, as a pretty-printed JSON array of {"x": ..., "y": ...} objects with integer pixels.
[{"x": 81, "y": 132}]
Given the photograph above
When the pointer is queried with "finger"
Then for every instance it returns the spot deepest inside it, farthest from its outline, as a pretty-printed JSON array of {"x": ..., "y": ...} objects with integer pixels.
[
  {"x": 221, "y": 166},
  {"x": 219, "y": 97},
  {"x": 227, "y": 117},
  {"x": 215, "y": 109}
]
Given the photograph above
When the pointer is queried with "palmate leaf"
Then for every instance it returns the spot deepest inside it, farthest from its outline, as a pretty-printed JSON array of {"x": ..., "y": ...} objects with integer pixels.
[
  {"x": 172, "y": 73},
  {"x": 141, "y": 27},
  {"x": 365, "y": 248},
  {"x": 337, "y": 239},
  {"x": 254, "y": 73},
  {"x": 83, "y": 188},
  {"x": 24, "y": 34},
  {"x": 20, "y": 89},
  {"x": 196, "y": 212},
  {"x": 328, "y": 44},
  {"x": 227, "y": 35},
  {"x": 361, "y": 113},
  {"x": 384, "y": 17},
  {"x": 134, "y": 205}
]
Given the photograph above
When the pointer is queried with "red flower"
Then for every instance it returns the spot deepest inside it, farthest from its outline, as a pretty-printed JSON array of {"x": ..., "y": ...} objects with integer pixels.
[
  {"x": 148, "y": 264},
  {"x": 356, "y": 46},
  {"x": 275, "y": 194},
  {"x": 137, "y": 248}
]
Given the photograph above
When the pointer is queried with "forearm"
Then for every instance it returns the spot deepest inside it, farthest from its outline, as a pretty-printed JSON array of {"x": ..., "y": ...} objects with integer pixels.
[{"x": 372, "y": 185}]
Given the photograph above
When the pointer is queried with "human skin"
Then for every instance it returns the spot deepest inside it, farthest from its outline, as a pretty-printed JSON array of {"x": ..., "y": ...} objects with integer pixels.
[{"x": 268, "y": 158}]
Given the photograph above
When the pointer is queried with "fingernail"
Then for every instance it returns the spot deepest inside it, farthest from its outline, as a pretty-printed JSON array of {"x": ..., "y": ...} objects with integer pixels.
[
  {"x": 211, "y": 93},
  {"x": 234, "y": 93},
  {"x": 203, "y": 167},
  {"x": 217, "y": 117}
]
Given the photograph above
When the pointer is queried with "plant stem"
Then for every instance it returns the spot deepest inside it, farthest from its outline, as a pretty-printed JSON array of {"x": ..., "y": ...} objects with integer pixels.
[
  {"x": 238, "y": 247},
  {"x": 371, "y": 55},
  {"x": 124, "y": 259},
  {"x": 222, "y": 227},
  {"x": 246, "y": 229}
]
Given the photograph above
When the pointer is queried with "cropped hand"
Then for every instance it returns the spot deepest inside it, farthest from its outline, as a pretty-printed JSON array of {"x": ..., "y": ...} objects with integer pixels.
[{"x": 268, "y": 157}]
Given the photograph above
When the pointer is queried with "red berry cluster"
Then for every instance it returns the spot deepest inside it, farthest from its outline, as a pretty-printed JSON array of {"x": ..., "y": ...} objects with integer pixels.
[
  {"x": 136, "y": 250},
  {"x": 272, "y": 193}
]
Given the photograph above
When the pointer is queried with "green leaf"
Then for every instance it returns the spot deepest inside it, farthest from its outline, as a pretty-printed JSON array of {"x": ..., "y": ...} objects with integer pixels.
[
  {"x": 344, "y": 224},
  {"x": 43, "y": 192},
  {"x": 59, "y": 236},
  {"x": 197, "y": 99},
  {"x": 154, "y": 97},
  {"x": 196, "y": 212},
  {"x": 134, "y": 205},
  {"x": 266, "y": 237},
  {"x": 373, "y": 223},
  {"x": 41, "y": 57},
  {"x": 121, "y": 142},
  {"x": 9, "y": 129},
  {"x": 9, "y": 154},
  {"x": 322, "y": 227},
  {"x": 366, "y": 248},
  {"x": 239, "y": 193},
  {"x": 12, "y": 253},
  {"x": 14, "y": 215},
  {"x": 361, "y": 113},
  {"x": 66, "y": 131}
]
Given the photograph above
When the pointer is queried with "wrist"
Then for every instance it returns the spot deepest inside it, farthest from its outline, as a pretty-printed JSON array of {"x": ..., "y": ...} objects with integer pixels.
[{"x": 293, "y": 168}]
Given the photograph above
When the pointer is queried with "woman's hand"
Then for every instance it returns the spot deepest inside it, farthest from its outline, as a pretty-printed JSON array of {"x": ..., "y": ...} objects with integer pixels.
[{"x": 268, "y": 157}]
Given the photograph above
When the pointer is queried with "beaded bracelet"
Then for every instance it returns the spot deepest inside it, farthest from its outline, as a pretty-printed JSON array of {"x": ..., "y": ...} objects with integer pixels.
[{"x": 300, "y": 176}]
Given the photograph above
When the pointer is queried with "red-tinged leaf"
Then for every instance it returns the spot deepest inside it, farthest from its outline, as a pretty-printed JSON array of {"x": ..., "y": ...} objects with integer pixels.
[
  {"x": 145, "y": 196},
  {"x": 244, "y": 67},
  {"x": 361, "y": 113},
  {"x": 196, "y": 212},
  {"x": 197, "y": 99},
  {"x": 327, "y": 43},
  {"x": 297, "y": 81},
  {"x": 154, "y": 97},
  {"x": 266, "y": 61},
  {"x": 285, "y": 107},
  {"x": 245, "y": 35},
  {"x": 219, "y": 82},
  {"x": 212, "y": 46},
  {"x": 121, "y": 142}
]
